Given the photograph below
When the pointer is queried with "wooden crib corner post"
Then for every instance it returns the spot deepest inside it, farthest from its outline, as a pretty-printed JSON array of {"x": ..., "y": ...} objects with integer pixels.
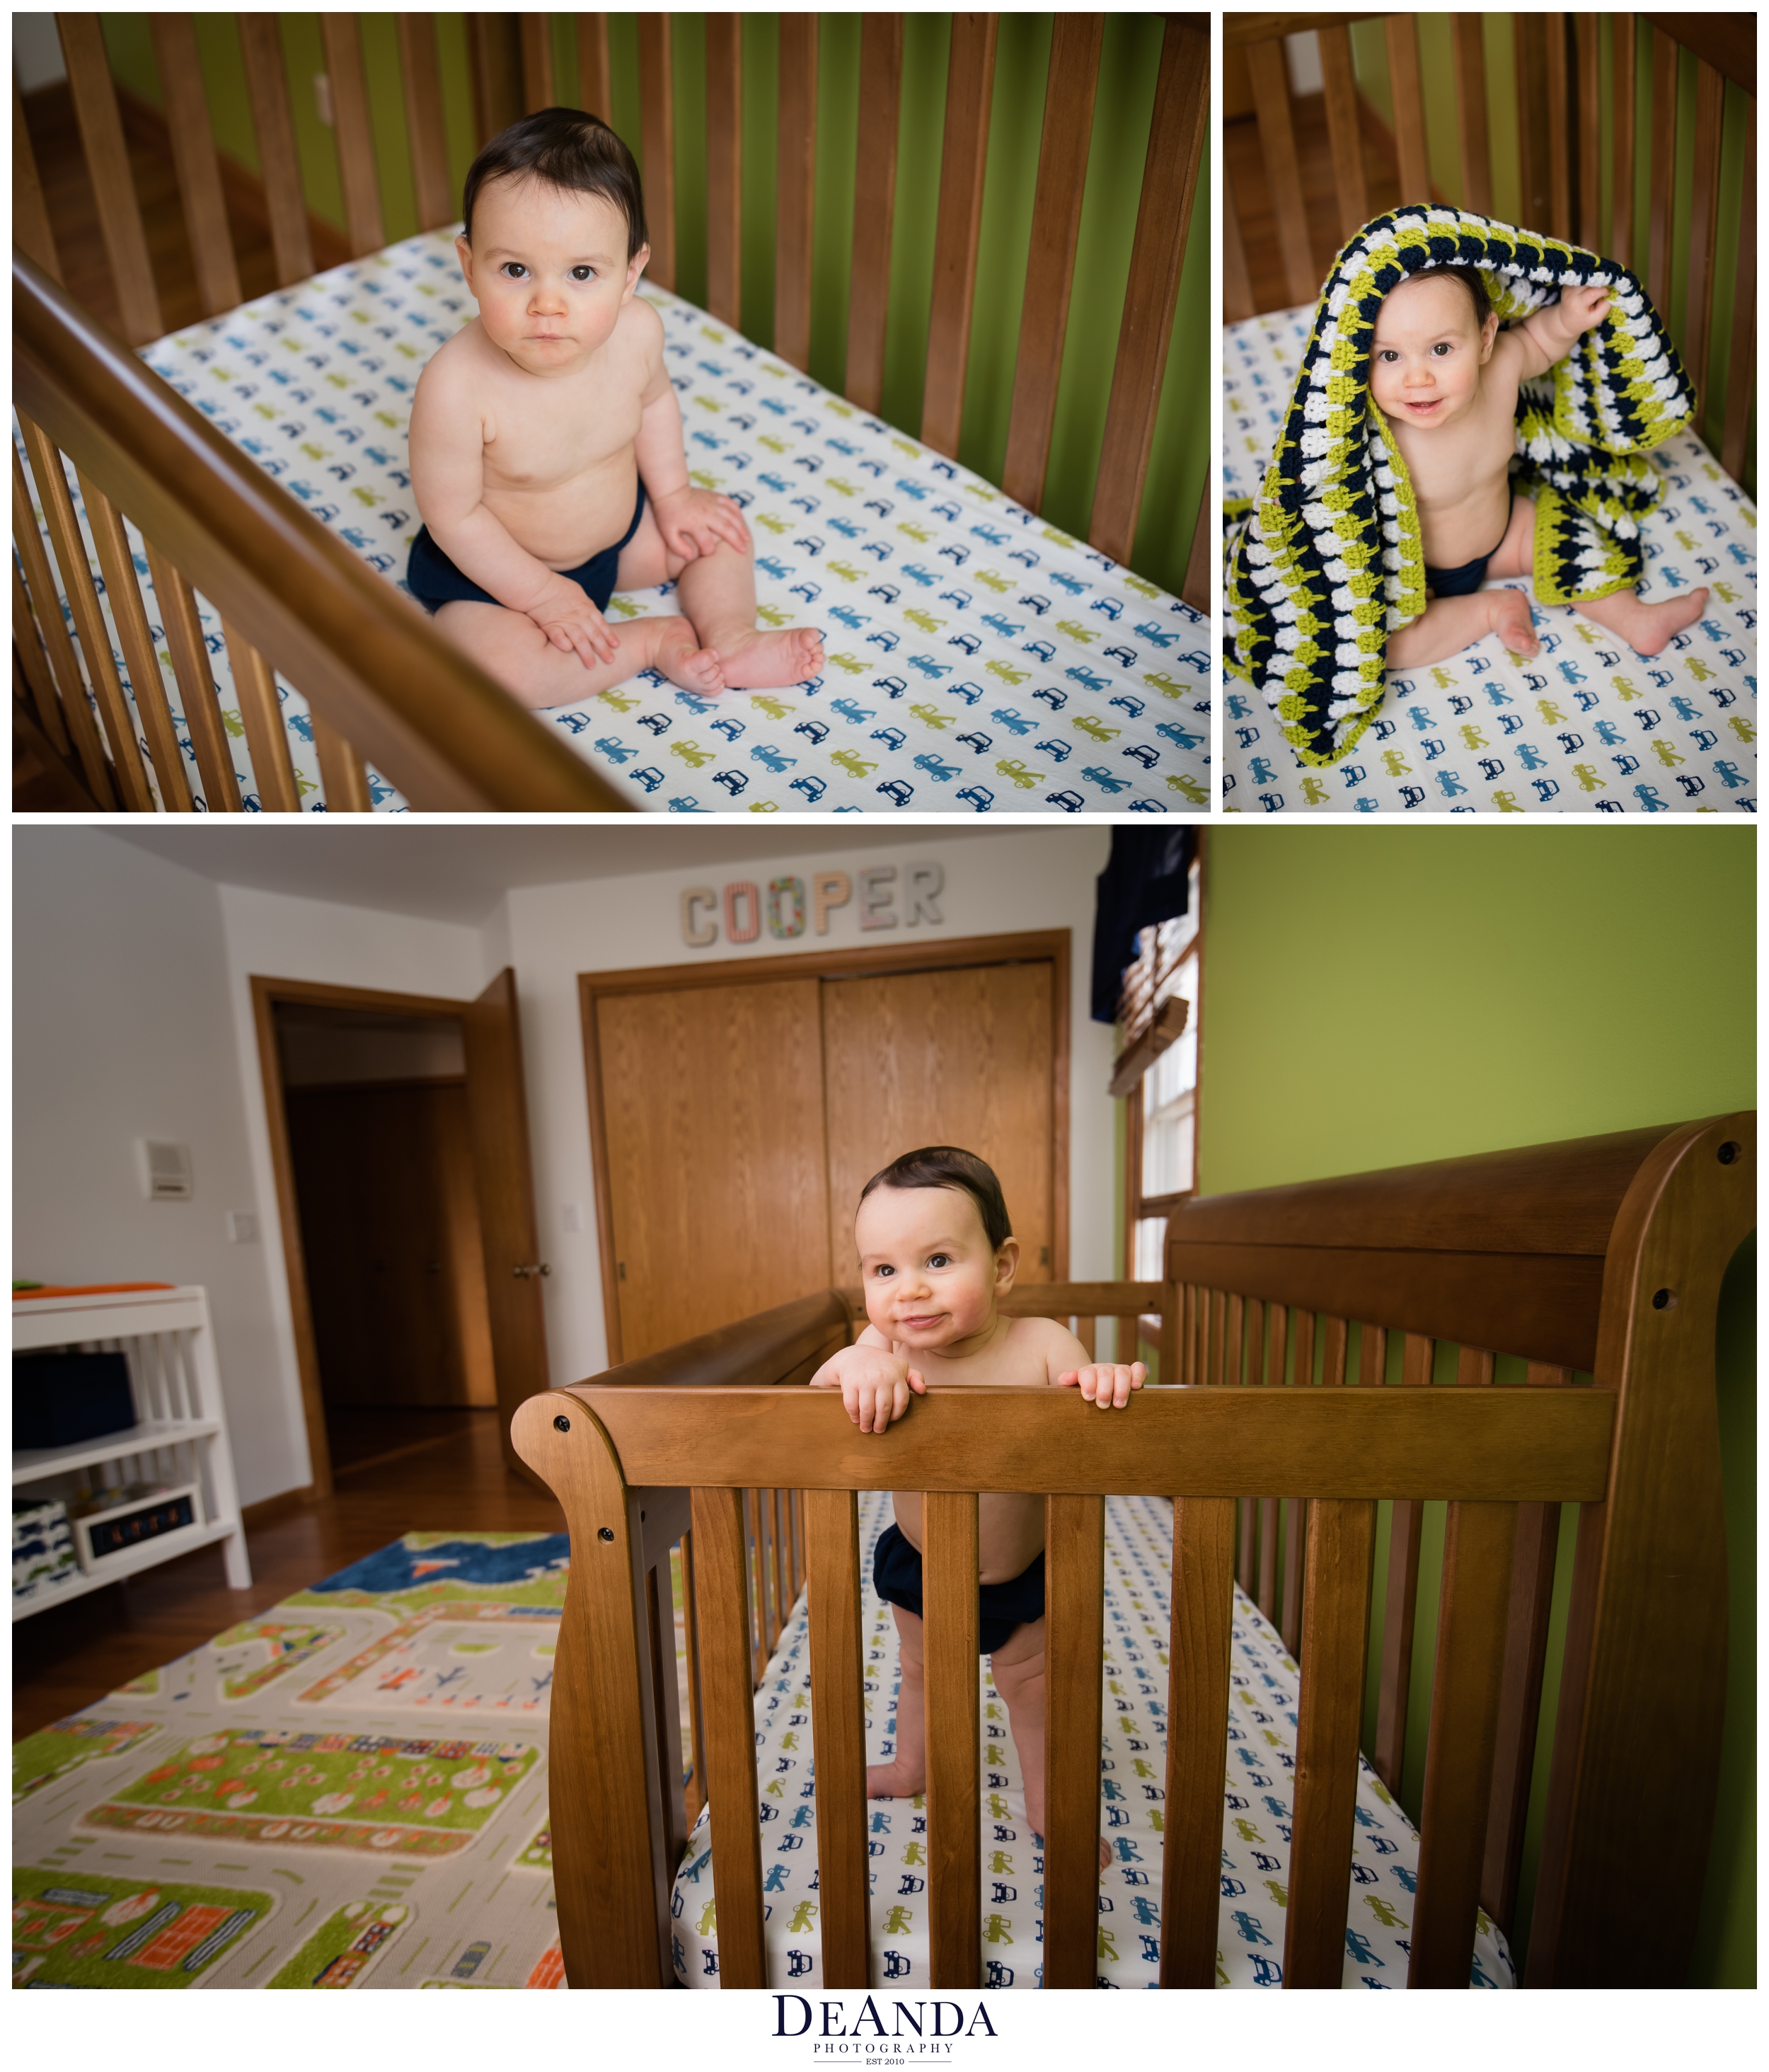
[
  {"x": 1636, "y": 1751},
  {"x": 612, "y": 1869}
]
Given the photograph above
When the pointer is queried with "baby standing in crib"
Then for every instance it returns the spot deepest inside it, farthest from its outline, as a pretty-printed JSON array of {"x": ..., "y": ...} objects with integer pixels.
[
  {"x": 546, "y": 446},
  {"x": 1445, "y": 377},
  {"x": 937, "y": 1255}
]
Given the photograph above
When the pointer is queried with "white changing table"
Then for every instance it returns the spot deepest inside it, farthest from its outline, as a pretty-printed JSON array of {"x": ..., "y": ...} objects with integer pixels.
[{"x": 182, "y": 1434}]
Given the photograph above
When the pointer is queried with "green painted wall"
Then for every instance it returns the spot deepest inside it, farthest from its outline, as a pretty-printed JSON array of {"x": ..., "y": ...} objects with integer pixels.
[
  {"x": 1381, "y": 996},
  {"x": 1436, "y": 66},
  {"x": 1123, "y": 111}
]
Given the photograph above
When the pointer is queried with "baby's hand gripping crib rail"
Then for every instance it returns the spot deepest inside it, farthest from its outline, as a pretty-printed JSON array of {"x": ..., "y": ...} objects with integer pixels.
[{"x": 1603, "y": 1255}]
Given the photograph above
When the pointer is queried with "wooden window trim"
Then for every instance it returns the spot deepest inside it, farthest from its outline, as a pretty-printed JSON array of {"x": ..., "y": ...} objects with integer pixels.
[{"x": 1139, "y": 1207}]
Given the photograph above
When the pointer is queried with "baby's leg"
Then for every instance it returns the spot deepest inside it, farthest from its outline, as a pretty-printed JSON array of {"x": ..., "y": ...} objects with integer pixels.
[
  {"x": 1019, "y": 1664},
  {"x": 1451, "y": 623},
  {"x": 908, "y": 1773},
  {"x": 509, "y": 646},
  {"x": 717, "y": 591}
]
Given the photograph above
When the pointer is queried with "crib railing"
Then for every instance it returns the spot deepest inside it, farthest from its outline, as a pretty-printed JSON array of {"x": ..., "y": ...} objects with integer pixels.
[
  {"x": 1559, "y": 165},
  {"x": 1604, "y": 1256}
]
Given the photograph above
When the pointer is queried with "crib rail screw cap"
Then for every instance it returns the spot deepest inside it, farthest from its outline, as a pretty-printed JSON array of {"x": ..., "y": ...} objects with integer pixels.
[
  {"x": 1728, "y": 1153},
  {"x": 1665, "y": 1299},
  {"x": 561, "y": 1424},
  {"x": 605, "y": 1532}
]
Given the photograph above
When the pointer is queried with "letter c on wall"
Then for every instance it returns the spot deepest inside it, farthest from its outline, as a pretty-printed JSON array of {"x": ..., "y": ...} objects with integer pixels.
[{"x": 698, "y": 934}]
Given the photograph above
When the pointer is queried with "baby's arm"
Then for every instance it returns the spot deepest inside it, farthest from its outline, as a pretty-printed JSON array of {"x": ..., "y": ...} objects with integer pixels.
[
  {"x": 1550, "y": 333},
  {"x": 447, "y": 436},
  {"x": 1106, "y": 1383},
  {"x": 874, "y": 1382},
  {"x": 692, "y": 521}
]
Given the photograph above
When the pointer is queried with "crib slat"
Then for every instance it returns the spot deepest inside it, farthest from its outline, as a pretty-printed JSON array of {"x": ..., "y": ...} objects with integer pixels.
[
  {"x": 1277, "y": 1348},
  {"x": 421, "y": 77},
  {"x": 343, "y": 775},
  {"x": 1704, "y": 225},
  {"x": 1531, "y": 69},
  {"x": 1334, "y": 1335},
  {"x": 536, "y": 63},
  {"x": 495, "y": 56},
  {"x": 34, "y": 663},
  {"x": 1237, "y": 287},
  {"x": 260, "y": 712},
  {"x": 1372, "y": 1355},
  {"x": 1283, "y": 175},
  {"x": 1741, "y": 364},
  {"x": 593, "y": 64},
  {"x": 193, "y": 157},
  {"x": 1290, "y": 1623},
  {"x": 113, "y": 186},
  {"x": 355, "y": 143},
  {"x": 1335, "y": 1618},
  {"x": 31, "y": 230},
  {"x": 1458, "y": 1763},
  {"x": 69, "y": 546},
  {"x": 1050, "y": 271},
  {"x": 721, "y": 1589},
  {"x": 1414, "y": 165},
  {"x": 1400, "y": 1598},
  {"x": 1659, "y": 207},
  {"x": 784, "y": 1594},
  {"x": 838, "y": 1733},
  {"x": 725, "y": 168},
  {"x": 1622, "y": 141},
  {"x": 657, "y": 128},
  {"x": 1247, "y": 1567},
  {"x": 260, "y": 45},
  {"x": 1234, "y": 1348},
  {"x": 970, "y": 80},
  {"x": 1197, "y": 1728},
  {"x": 184, "y": 642},
  {"x": 1519, "y": 1697},
  {"x": 694, "y": 1789},
  {"x": 76, "y": 719},
  {"x": 666, "y": 1708},
  {"x": 758, "y": 1561},
  {"x": 1590, "y": 230},
  {"x": 954, "y": 1801},
  {"x": 874, "y": 203},
  {"x": 1471, "y": 109},
  {"x": 1217, "y": 1369},
  {"x": 795, "y": 188},
  {"x": 1474, "y": 1367},
  {"x": 1560, "y": 169},
  {"x": 1344, "y": 133},
  {"x": 1074, "y": 1582},
  {"x": 153, "y": 711}
]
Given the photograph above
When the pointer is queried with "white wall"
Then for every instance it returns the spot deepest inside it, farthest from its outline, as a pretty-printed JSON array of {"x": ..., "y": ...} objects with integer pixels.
[
  {"x": 1020, "y": 880},
  {"x": 121, "y": 1030}
]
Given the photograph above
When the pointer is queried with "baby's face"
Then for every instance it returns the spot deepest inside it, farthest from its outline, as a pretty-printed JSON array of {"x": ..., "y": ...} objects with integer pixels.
[
  {"x": 930, "y": 1275},
  {"x": 1425, "y": 361},
  {"x": 548, "y": 269}
]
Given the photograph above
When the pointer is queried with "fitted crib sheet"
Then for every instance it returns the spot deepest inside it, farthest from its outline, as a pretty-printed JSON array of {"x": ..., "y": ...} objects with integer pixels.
[
  {"x": 1588, "y": 724},
  {"x": 1257, "y": 1802},
  {"x": 979, "y": 659}
]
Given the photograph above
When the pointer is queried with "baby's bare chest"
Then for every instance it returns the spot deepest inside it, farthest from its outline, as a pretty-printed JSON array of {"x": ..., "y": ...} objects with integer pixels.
[
  {"x": 1462, "y": 461},
  {"x": 542, "y": 441}
]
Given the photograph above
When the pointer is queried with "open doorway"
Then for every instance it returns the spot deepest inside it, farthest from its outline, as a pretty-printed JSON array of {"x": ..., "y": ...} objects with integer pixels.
[{"x": 398, "y": 1132}]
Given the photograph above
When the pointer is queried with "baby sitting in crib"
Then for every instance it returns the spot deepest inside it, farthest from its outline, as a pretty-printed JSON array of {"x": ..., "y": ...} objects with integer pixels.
[
  {"x": 1445, "y": 377},
  {"x": 937, "y": 1255},
  {"x": 546, "y": 446}
]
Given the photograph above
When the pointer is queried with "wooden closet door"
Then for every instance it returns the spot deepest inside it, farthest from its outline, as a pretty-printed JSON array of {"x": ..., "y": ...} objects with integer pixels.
[
  {"x": 945, "y": 1057},
  {"x": 711, "y": 1122}
]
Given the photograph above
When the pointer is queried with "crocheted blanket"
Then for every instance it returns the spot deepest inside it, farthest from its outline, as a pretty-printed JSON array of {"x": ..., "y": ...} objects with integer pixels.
[{"x": 1329, "y": 559}]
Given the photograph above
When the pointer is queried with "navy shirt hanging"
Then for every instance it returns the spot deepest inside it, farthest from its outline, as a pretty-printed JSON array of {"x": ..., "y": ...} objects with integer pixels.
[{"x": 1146, "y": 879}]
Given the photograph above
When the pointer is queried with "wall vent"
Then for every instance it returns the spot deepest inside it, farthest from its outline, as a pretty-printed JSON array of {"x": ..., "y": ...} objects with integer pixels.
[{"x": 166, "y": 1171}]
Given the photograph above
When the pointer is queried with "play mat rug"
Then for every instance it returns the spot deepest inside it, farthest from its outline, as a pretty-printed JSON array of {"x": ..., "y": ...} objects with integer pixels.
[
  {"x": 1587, "y": 725},
  {"x": 1256, "y": 1810},
  {"x": 978, "y": 660}
]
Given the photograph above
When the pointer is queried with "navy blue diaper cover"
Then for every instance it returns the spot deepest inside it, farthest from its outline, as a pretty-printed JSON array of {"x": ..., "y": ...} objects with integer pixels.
[
  {"x": 434, "y": 580},
  {"x": 896, "y": 1575},
  {"x": 1463, "y": 581}
]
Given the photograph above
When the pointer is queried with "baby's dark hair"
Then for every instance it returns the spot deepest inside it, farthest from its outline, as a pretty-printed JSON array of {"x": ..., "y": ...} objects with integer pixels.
[
  {"x": 944, "y": 1165},
  {"x": 1469, "y": 278},
  {"x": 567, "y": 149}
]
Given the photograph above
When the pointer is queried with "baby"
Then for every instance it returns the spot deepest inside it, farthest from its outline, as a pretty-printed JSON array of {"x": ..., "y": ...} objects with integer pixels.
[
  {"x": 546, "y": 446},
  {"x": 1445, "y": 377},
  {"x": 937, "y": 1255}
]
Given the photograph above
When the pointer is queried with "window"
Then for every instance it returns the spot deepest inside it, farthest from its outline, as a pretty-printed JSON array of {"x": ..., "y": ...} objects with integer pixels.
[{"x": 1161, "y": 1115}]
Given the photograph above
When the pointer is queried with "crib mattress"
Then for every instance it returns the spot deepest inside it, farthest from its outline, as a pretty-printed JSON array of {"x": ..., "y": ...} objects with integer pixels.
[
  {"x": 979, "y": 659},
  {"x": 1587, "y": 725},
  {"x": 1257, "y": 1801}
]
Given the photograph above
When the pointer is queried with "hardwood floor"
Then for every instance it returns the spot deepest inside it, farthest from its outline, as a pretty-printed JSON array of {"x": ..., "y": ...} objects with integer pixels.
[{"x": 445, "y": 1479}]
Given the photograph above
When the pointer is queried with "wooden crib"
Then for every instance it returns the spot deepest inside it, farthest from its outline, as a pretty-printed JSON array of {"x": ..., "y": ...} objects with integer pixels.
[
  {"x": 1268, "y": 238},
  {"x": 1282, "y": 1314},
  {"x": 382, "y": 685}
]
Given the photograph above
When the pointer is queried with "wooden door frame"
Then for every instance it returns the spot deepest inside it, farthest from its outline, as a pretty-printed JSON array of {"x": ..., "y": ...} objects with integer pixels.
[
  {"x": 268, "y": 994},
  {"x": 1049, "y": 946}
]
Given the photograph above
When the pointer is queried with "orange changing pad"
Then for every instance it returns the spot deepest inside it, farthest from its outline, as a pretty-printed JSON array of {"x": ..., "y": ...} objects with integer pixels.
[{"x": 91, "y": 1287}]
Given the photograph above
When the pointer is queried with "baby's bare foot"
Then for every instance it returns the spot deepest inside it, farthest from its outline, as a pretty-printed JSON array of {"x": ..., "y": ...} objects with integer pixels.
[
  {"x": 771, "y": 661},
  {"x": 1037, "y": 1837},
  {"x": 893, "y": 1780},
  {"x": 1511, "y": 621},
  {"x": 678, "y": 654},
  {"x": 1648, "y": 627}
]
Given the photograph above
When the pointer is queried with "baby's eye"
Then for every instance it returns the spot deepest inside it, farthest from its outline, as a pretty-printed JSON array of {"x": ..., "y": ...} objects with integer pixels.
[
  {"x": 941, "y": 1259},
  {"x": 1442, "y": 348},
  {"x": 1386, "y": 354},
  {"x": 883, "y": 1272},
  {"x": 513, "y": 269},
  {"x": 583, "y": 272}
]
